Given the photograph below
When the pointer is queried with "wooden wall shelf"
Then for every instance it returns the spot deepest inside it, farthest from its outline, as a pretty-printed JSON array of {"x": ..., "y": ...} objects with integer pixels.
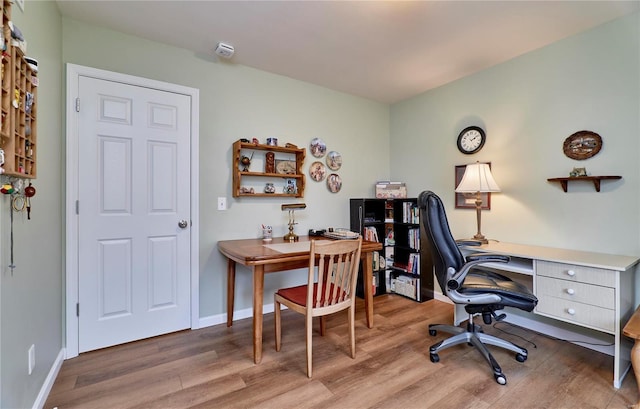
[
  {"x": 595, "y": 179},
  {"x": 257, "y": 179},
  {"x": 19, "y": 106}
]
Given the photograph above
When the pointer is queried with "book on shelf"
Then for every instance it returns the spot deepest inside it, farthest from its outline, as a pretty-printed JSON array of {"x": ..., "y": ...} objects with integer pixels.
[
  {"x": 378, "y": 261},
  {"x": 413, "y": 237},
  {"x": 389, "y": 254},
  {"x": 410, "y": 213},
  {"x": 371, "y": 234}
]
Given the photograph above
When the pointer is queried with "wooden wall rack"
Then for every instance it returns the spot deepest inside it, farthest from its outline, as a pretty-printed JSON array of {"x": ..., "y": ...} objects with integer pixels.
[
  {"x": 257, "y": 180},
  {"x": 19, "y": 107},
  {"x": 595, "y": 179}
]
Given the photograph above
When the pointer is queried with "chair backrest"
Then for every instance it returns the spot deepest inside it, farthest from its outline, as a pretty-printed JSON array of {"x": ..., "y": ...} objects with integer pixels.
[
  {"x": 445, "y": 252},
  {"x": 338, "y": 262}
]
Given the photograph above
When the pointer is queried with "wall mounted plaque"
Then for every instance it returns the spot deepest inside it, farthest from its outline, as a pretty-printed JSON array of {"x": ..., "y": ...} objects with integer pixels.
[{"x": 582, "y": 145}]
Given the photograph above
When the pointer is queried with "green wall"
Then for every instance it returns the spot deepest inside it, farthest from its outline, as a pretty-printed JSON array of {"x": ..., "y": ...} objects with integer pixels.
[
  {"x": 528, "y": 106},
  {"x": 31, "y": 299},
  {"x": 240, "y": 102}
]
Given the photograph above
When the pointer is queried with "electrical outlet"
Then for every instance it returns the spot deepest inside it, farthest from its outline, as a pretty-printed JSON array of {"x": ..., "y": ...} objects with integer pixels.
[
  {"x": 222, "y": 203},
  {"x": 32, "y": 358}
]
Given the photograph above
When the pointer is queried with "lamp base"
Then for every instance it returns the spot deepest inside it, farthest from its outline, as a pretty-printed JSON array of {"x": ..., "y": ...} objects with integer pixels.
[
  {"x": 290, "y": 237},
  {"x": 481, "y": 238}
]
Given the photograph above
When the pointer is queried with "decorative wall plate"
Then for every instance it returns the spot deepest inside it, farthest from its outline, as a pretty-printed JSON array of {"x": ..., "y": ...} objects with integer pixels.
[
  {"x": 582, "y": 145},
  {"x": 317, "y": 171},
  {"x": 318, "y": 147},
  {"x": 334, "y": 160},
  {"x": 334, "y": 183}
]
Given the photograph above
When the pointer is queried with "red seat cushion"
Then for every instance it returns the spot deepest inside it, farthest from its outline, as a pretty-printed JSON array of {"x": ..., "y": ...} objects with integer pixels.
[{"x": 298, "y": 294}]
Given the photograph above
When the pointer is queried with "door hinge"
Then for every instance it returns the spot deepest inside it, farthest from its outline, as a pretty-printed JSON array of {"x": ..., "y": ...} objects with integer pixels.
[
  {"x": 77, "y": 207},
  {"x": 77, "y": 309},
  {"x": 77, "y": 104}
]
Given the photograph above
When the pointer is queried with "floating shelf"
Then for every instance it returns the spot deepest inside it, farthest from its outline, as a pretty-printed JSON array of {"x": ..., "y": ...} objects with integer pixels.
[{"x": 595, "y": 179}]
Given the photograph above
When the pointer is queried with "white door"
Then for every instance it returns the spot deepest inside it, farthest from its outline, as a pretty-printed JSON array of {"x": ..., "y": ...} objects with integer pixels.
[{"x": 133, "y": 213}]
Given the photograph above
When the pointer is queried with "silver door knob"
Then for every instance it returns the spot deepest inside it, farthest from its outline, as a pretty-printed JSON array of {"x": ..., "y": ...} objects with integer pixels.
[{"x": 183, "y": 224}]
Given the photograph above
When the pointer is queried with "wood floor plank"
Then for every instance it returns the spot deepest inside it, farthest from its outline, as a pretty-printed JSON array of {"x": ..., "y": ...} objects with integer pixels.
[
  {"x": 308, "y": 395},
  {"x": 213, "y": 368}
]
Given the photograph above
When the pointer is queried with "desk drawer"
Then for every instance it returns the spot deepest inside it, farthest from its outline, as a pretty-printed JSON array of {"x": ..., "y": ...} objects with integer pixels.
[
  {"x": 577, "y": 313},
  {"x": 589, "y": 275},
  {"x": 595, "y": 295}
]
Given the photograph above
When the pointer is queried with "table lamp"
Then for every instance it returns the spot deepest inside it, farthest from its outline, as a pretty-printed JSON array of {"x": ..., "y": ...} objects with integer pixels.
[
  {"x": 477, "y": 179},
  {"x": 291, "y": 236}
]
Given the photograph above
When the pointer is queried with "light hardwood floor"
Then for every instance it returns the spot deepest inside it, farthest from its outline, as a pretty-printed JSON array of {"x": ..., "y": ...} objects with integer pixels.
[{"x": 213, "y": 368}]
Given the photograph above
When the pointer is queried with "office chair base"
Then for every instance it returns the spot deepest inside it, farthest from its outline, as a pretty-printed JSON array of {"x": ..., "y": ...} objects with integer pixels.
[{"x": 478, "y": 339}]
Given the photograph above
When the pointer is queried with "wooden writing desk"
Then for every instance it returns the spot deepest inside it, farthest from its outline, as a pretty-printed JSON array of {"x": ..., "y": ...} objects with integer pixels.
[{"x": 279, "y": 255}]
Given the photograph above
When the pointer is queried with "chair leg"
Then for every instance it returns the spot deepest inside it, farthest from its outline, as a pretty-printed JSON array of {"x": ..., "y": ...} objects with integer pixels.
[
  {"x": 352, "y": 330},
  {"x": 309, "y": 328},
  {"x": 323, "y": 326},
  {"x": 491, "y": 340},
  {"x": 276, "y": 310}
]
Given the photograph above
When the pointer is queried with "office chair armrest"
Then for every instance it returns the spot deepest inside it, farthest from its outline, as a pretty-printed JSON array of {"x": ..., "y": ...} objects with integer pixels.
[
  {"x": 468, "y": 242},
  {"x": 473, "y": 260},
  {"x": 488, "y": 257}
]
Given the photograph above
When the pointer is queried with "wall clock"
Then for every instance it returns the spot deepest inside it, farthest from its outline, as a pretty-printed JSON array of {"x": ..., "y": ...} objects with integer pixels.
[
  {"x": 582, "y": 145},
  {"x": 471, "y": 140}
]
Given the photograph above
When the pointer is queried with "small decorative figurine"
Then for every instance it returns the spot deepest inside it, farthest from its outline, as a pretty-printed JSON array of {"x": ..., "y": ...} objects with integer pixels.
[
  {"x": 270, "y": 166},
  {"x": 245, "y": 161},
  {"x": 269, "y": 188}
]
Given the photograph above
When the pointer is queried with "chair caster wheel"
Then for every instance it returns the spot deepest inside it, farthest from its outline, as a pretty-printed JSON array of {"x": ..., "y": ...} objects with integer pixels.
[
  {"x": 501, "y": 379},
  {"x": 521, "y": 358},
  {"x": 434, "y": 358},
  {"x": 433, "y": 332}
]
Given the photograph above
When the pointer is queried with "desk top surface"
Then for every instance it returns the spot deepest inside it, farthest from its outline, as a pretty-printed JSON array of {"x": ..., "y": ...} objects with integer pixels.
[
  {"x": 585, "y": 258},
  {"x": 256, "y": 251}
]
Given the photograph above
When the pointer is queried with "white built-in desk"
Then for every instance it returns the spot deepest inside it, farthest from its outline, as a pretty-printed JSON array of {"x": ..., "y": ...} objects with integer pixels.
[{"x": 585, "y": 289}]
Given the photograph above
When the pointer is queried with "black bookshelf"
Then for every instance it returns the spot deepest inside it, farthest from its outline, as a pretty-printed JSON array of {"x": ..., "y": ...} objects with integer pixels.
[{"x": 403, "y": 268}]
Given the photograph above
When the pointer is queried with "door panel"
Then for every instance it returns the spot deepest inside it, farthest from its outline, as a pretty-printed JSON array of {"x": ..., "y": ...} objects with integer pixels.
[{"x": 134, "y": 188}]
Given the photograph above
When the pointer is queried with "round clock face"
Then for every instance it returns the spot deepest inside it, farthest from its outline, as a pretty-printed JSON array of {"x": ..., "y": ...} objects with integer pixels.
[
  {"x": 471, "y": 140},
  {"x": 582, "y": 145}
]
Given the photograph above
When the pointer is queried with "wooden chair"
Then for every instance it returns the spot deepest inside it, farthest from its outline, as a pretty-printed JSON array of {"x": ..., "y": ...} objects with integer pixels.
[{"x": 337, "y": 265}]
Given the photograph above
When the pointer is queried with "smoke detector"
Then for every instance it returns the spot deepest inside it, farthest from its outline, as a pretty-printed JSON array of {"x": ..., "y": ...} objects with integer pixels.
[{"x": 224, "y": 50}]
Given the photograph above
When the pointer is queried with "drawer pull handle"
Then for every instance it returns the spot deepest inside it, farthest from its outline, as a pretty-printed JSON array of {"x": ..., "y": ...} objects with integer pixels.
[
  {"x": 571, "y": 291},
  {"x": 571, "y": 311},
  {"x": 571, "y": 273}
]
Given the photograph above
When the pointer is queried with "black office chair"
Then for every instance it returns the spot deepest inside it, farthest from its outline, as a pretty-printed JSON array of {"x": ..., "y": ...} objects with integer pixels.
[{"x": 480, "y": 291}]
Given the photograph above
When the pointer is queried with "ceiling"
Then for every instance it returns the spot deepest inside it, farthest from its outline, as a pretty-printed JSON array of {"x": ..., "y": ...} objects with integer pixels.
[{"x": 386, "y": 51}]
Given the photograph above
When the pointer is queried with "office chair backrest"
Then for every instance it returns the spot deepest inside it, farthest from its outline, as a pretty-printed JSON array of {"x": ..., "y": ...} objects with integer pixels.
[{"x": 444, "y": 250}]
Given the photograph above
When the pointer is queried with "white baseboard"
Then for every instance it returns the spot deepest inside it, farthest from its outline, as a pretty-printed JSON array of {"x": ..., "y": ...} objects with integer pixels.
[
  {"x": 237, "y": 315},
  {"x": 49, "y": 381}
]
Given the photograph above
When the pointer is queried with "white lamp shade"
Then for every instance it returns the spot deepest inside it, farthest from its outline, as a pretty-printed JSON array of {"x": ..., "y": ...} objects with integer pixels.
[{"x": 477, "y": 178}]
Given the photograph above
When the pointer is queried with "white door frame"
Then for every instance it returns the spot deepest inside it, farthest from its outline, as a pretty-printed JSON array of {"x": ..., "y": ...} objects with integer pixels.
[{"x": 72, "y": 191}]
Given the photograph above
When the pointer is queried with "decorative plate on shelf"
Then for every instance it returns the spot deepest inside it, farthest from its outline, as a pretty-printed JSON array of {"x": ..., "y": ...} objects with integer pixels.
[
  {"x": 334, "y": 160},
  {"x": 582, "y": 145},
  {"x": 318, "y": 147},
  {"x": 317, "y": 171}
]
